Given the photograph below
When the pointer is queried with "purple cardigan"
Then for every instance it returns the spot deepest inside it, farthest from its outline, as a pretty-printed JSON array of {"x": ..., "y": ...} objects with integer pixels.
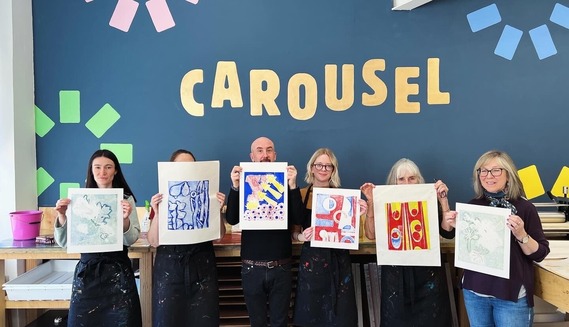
[{"x": 521, "y": 265}]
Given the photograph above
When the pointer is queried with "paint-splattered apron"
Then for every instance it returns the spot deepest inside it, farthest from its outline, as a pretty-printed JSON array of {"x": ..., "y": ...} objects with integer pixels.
[
  {"x": 185, "y": 290},
  {"x": 104, "y": 291},
  {"x": 325, "y": 294},
  {"x": 414, "y": 296}
]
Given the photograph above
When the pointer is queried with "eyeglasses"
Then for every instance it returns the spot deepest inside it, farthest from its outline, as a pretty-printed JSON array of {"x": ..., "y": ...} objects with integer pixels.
[
  {"x": 320, "y": 166},
  {"x": 495, "y": 172}
]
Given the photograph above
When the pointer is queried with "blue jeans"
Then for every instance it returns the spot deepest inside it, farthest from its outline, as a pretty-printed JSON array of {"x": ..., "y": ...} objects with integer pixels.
[
  {"x": 262, "y": 285},
  {"x": 490, "y": 311}
]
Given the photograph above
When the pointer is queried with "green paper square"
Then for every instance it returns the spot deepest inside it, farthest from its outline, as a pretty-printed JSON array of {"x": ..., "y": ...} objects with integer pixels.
[
  {"x": 122, "y": 151},
  {"x": 69, "y": 107},
  {"x": 104, "y": 119},
  {"x": 43, "y": 123},
  {"x": 63, "y": 187},
  {"x": 44, "y": 180}
]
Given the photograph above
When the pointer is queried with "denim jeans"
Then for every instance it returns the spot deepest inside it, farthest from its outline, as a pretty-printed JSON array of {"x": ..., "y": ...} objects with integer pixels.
[
  {"x": 262, "y": 285},
  {"x": 489, "y": 311}
]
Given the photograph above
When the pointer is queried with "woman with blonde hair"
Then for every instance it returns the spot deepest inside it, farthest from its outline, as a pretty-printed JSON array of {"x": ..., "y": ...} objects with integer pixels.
[
  {"x": 325, "y": 294},
  {"x": 496, "y": 301}
]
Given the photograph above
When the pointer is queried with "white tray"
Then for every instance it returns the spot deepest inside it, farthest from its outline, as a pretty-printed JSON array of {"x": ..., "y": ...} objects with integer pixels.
[{"x": 49, "y": 281}]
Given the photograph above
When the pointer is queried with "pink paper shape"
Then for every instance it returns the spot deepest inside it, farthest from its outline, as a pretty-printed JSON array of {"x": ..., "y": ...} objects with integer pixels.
[
  {"x": 160, "y": 14},
  {"x": 195, "y": 2},
  {"x": 124, "y": 14}
]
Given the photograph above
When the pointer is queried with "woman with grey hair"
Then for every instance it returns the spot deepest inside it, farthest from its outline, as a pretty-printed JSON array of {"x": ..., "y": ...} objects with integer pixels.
[
  {"x": 325, "y": 294},
  {"x": 495, "y": 301},
  {"x": 412, "y": 296}
]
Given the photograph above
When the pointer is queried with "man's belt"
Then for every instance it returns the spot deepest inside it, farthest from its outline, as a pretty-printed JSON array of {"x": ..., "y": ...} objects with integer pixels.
[{"x": 268, "y": 264}]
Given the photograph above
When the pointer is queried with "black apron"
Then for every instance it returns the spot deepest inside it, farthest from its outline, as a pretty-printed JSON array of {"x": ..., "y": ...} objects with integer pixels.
[
  {"x": 325, "y": 294},
  {"x": 104, "y": 291}
]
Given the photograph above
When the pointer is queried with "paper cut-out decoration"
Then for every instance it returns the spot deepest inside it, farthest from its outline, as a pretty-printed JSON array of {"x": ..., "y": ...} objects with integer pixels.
[
  {"x": 263, "y": 197},
  {"x": 123, "y": 15},
  {"x": 335, "y": 218},
  {"x": 189, "y": 212},
  {"x": 160, "y": 15},
  {"x": 482, "y": 241},
  {"x": 406, "y": 225},
  {"x": 531, "y": 182},
  {"x": 94, "y": 220}
]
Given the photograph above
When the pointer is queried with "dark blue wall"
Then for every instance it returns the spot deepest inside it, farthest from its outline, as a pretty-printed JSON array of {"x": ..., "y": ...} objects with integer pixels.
[{"x": 516, "y": 105}]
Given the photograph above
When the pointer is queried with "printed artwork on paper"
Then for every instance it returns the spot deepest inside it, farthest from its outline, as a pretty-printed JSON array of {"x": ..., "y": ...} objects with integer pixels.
[
  {"x": 263, "y": 196},
  {"x": 335, "y": 218},
  {"x": 406, "y": 225},
  {"x": 188, "y": 205},
  {"x": 482, "y": 241},
  {"x": 94, "y": 220},
  {"x": 189, "y": 212}
]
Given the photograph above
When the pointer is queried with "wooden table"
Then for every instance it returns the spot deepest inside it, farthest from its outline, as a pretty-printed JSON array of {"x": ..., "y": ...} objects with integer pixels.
[
  {"x": 552, "y": 275},
  {"x": 33, "y": 253}
]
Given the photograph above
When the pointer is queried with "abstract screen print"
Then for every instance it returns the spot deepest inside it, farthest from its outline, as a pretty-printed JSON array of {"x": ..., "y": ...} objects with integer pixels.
[
  {"x": 335, "y": 218},
  {"x": 189, "y": 212},
  {"x": 406, "y": 225},
  {"x": 263, "y": 195},
  {"x": 482, "y": 241},
  {"x": 188, "y": 205},
  {"x": 94, "y": 220}
]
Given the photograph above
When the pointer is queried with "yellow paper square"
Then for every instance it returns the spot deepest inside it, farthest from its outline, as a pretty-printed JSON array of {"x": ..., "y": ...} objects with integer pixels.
[
  {"x": 562, "y": 180},
  {"x": 531, "y": 182}
]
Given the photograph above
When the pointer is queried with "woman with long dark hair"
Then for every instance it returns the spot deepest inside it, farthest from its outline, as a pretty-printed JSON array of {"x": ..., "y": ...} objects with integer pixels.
[{"x": 104, "y": 291}]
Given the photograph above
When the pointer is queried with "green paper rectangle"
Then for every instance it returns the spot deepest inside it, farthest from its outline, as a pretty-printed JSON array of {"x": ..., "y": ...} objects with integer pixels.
[
  {"x": 122, "y": 151},
  {"x": 44, "y": 180},
  {"x": 63, "y": 187},
  {"x": 69, "y": 107},
  {"x": 104, "y": 119}
]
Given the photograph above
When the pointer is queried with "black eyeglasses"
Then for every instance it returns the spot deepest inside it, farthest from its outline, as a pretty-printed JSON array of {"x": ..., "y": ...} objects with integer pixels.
[
  {"x": 320, "y": 166},
  {"x": 495, "y": 172}
]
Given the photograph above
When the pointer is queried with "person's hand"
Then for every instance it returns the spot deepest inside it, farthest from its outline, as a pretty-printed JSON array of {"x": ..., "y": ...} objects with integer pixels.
[
  {"x": 155, "y": 201},
  {"x": 363, "y": 207},
  {"x": 516, "y": 225},
  {"x": 221, "y": 198},
  {"x": 61, "y": 206},
  {"x": 236, "y": 175},
  {"x": 449, "y": 220},
  {"x": 126, "y": 210},
  {"x": 367, "y": 190},
  {"x": 442, "y": 189},
  {"x": 307, "y": 234},
  {"x": 291, "y": 177}
]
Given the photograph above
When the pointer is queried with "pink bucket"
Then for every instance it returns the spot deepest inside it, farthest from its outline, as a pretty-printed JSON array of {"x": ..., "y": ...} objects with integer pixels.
[{"x": 25, "y": 224}]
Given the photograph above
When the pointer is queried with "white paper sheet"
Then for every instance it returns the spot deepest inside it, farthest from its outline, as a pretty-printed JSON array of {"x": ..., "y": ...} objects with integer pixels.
[
  {"x": 94, "y": 220},
  {"x": 263, "y": 196},
  {"x": 407, "y": 225},
  {"x": 482, "y": 241},
  {"x": 335, "y": 218},
  {"x": 189, "y": 212}
]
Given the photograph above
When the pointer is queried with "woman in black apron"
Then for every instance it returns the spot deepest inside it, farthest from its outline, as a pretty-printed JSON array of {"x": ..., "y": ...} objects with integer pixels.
[
  {"x": 184, "y": 280},
  {"x": 325, "y": 294},
  {"x": 104, "y": 291}
]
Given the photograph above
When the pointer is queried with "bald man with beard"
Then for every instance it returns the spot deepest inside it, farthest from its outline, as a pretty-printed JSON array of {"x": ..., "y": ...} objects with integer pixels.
[{"x": 266, "y": 254}]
